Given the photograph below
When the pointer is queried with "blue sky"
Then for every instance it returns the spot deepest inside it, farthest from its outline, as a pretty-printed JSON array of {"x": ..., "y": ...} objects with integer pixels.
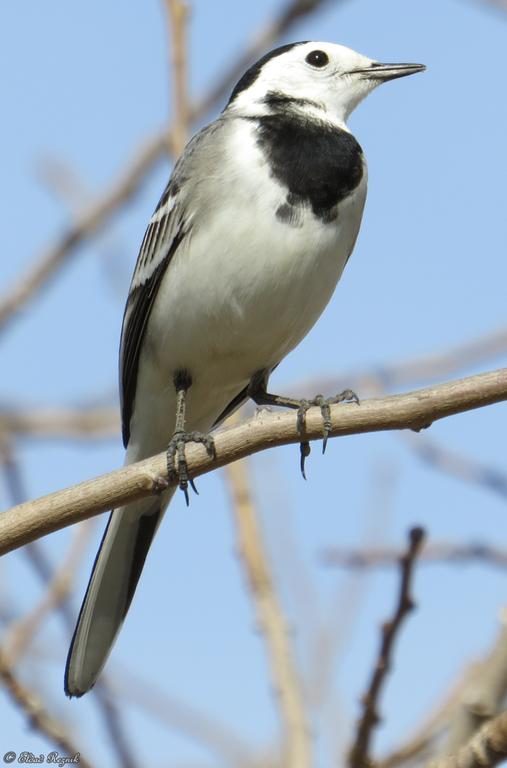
[{"x": 86, "y": 83}]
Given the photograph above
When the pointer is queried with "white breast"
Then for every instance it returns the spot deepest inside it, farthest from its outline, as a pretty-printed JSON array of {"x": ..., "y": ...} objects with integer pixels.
[{"x": 247, "y": 287}]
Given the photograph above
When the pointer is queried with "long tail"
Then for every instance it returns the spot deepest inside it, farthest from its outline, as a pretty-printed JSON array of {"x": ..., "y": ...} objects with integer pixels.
[{"x": 116, "y": 571}]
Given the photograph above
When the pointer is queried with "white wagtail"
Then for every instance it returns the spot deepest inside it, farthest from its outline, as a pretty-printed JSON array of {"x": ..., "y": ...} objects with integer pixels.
[{"x": 242, "y": 254}]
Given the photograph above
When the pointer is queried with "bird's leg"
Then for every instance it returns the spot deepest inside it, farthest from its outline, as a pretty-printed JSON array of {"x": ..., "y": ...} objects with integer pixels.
[
  {"x": 176, "y": 461},
  {"x": 259, "y": 394}
]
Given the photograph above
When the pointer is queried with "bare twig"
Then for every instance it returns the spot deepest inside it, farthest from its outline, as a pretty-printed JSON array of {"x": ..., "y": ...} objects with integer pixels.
[
  {"x": 91, "y": 220},
  {"x": 38, "y": 717},
  {"x": 43, "y": 568},
  {"x": 102, "y": 422},
  {"x": 79, "y": 423},
  {"x": 485, "y": 750},
  {"x": 261, "y": 41},
  {"x": 272, "y": 622},
  {"x": 200, "y": 727},
  {"x": 435, "y": 553},
  {"x": 413, "y": 410},
  {"x": 177, "y": 12},
  {"x": 500, "y": 4},
  {"x": 482, "y": 697},
  {"x": 425, "y": 368},
  {"x": 21, "y": 632},
  {"x": 359, "y": 756},
  {"x": 344, "y": 611},
  {"x": 457, "y": 465},
  {"x": 10, "y": 469}
]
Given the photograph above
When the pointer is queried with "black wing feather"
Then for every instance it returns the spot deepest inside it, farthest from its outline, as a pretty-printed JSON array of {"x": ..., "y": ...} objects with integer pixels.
[{"x": 140, "y": 304}]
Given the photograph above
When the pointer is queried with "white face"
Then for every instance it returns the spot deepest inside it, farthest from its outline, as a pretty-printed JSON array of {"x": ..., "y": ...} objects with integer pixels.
[{"x": 332, "y": 76}]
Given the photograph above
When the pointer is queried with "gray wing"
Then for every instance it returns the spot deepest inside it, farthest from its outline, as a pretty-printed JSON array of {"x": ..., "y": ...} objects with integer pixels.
[
  {"x": 166, "y": 230},
  {"x": 168, "y": 227}
]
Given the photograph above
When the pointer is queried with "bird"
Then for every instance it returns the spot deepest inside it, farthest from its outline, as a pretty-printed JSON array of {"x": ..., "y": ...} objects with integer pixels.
[{"x": 240, "y": 258}]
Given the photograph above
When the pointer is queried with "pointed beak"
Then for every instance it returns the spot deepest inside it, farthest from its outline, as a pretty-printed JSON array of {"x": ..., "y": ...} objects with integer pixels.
[{"x": 384, "y": 72}]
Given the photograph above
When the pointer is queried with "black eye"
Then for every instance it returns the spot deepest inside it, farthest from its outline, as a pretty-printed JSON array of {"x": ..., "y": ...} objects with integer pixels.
[{"x": 317, "y": 59}]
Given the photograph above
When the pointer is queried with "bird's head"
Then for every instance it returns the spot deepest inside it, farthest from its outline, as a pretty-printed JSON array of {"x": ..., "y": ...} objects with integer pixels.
[{"x": 326, "y": 77}]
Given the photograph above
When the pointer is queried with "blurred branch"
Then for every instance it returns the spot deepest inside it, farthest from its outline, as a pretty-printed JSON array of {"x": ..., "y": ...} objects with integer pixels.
[
  {"x": 424, "y": 368},
  {"x": 91, "y": 220},
  {"x": 459, "y": 466},
  {"x": 359, "y": 756},
  {"x": 482, "y": 697},
  {"x": 501, "y": 4},
  {"x": 485, "y": 750},
  {"x": 202, "y": 728},
  {"x": 272, "y": 622},
  {"x": 177, "y": 12},
  {"x": 344, "y": 610},
  {"x": 437, "y": 553},
  {"x": 261, "y": 41},
  {"x": 20, "y": 633},
  {"x": 93, "y": 422},
  {"x": 56, "y": 598},
  {"x": 80, "y": 422},
  {"x": 37, "y": 716},
  {"x": 414, "y": 410},
  {"x": 10, "y": 469}
]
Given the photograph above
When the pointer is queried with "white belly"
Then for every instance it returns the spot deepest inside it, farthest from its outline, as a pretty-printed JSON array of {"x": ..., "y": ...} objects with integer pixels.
[{"x": 242, "y": 294}]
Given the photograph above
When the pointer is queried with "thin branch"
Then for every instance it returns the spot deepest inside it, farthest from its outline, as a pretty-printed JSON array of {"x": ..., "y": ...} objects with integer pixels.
[
  {"x": 344, "y": 612},
  {"x": 90, "y": 221},
  {"x": 482, "y": 697},
  {"x": 10, "y": 468},
  {"x": 43, "y": 568},
  {"x": 422, "y": 369},
  {"x": 79, "y": 423},
  {"x": 102, "y": 422},
  {"x": 437, "y": 553},
  {"x": 457, "y": 465},
  {"x": 21, "y": 632},
  {"x": 500, "y": 4},
  {"x": 482, "y": 686},
  {"x": 485, "y": 750},
  {"x": 413, "y": 410},
  {"x": 261, "y": 41},
  {"x": 177, "y": 12},
  {"x": 38, "y": 717},
  {"x": 203, "y": 728},
  {"x": 359, "y": 756},
  {"x": 273, "y": 625}
]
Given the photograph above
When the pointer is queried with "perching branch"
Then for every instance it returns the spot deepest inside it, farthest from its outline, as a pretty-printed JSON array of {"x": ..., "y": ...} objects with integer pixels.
[
  {"x": 413, "y": 410},
  {"x": 360, "y": 753}
]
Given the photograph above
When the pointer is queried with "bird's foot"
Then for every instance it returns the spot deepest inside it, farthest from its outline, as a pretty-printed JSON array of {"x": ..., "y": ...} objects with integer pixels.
[
  {"x": 324, "y": 403},
  {"x": 176, "y": 460}
]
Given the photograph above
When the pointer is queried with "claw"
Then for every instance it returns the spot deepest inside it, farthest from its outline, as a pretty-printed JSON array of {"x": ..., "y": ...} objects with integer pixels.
[
  {"x": 347, "y": 396},
  {"x": 179, "y": 469},
  {"x": 305, "y": 450}
]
